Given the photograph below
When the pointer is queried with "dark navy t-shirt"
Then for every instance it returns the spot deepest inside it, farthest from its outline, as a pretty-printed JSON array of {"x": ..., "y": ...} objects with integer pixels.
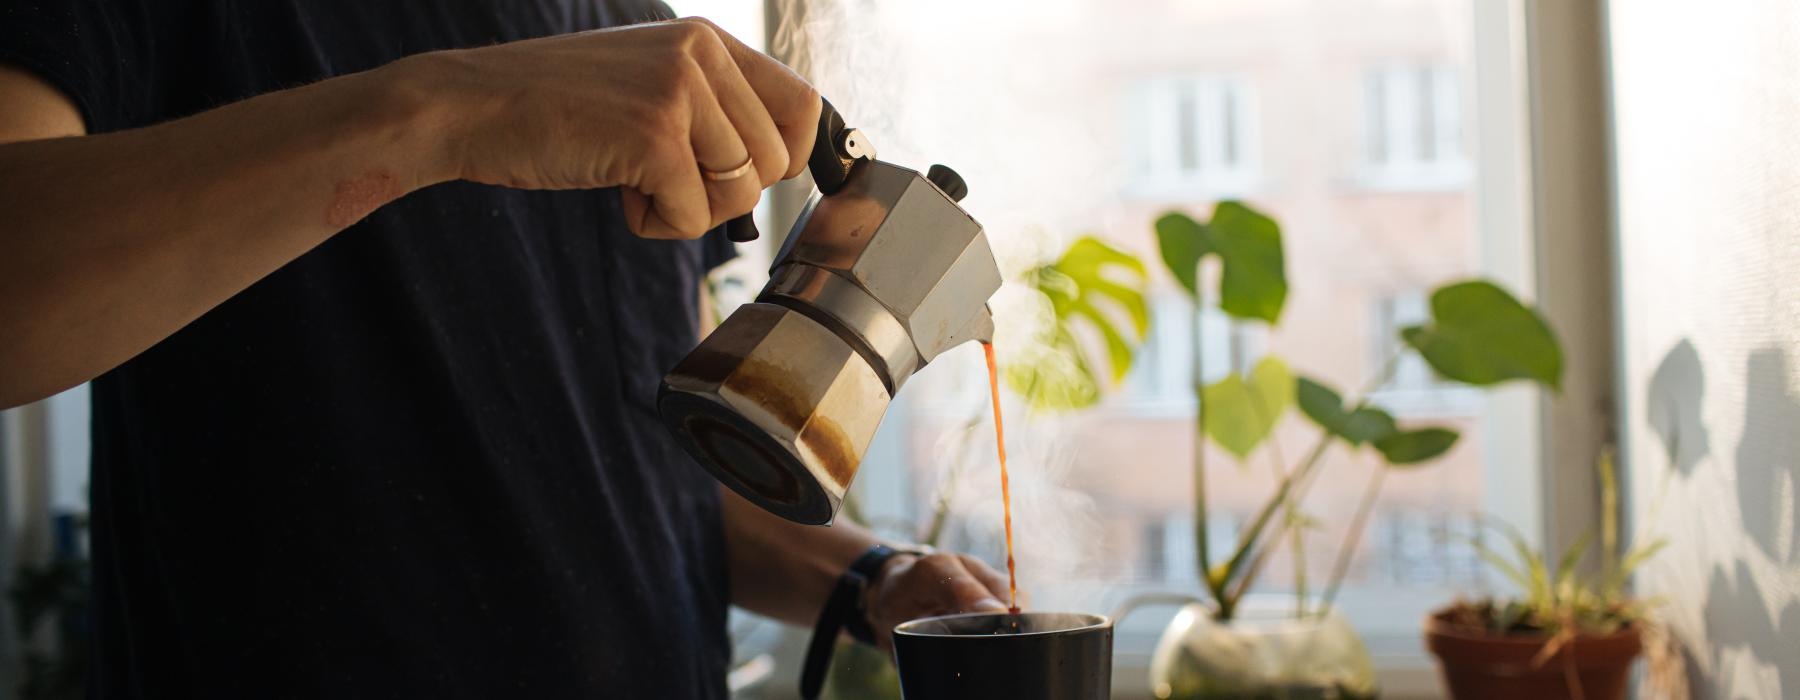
[{"x": 420, "y": 461}]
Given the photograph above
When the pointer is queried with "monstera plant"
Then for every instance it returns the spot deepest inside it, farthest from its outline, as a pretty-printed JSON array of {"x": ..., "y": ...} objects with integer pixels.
[
  {"x": 1053, "y": 371},
  {"x": 1478, "y": 334}
]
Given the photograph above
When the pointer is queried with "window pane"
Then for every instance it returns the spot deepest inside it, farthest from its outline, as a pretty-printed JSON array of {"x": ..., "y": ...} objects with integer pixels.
[
  {"x": 1187, "y": 124},
  {"x": 1375, "y": 104},
  {"x": 1427, "y": 114},
  {"x": 1346, "y": 111}
]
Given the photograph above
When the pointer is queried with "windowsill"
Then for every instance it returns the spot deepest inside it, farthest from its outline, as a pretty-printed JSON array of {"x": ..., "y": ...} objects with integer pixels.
[{"x": 1447, "y": 177}]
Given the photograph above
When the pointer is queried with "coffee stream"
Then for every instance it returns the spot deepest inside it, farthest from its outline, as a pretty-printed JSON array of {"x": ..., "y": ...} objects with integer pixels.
[{"x": 1012, "y": 574}]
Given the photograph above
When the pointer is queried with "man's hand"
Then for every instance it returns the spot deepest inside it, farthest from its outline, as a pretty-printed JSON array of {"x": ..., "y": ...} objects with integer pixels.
[
  {"x": 645, "y": 107},
  {"x": 114, "y": 241},
  {"x": 786, "y": 571},
  {"x": 910, "y": 587}
]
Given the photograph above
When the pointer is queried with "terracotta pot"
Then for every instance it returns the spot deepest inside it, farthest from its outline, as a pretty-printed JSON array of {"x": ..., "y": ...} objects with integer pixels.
[{"x": 1480, "y": 666}]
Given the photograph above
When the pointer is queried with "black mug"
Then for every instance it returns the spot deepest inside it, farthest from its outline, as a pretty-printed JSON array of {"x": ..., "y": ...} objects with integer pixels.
[{"x": 1053, "y": 656}]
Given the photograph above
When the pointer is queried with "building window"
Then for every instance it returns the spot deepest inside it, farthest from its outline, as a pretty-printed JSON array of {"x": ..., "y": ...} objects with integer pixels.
[
  {"x": 1168, "y": 554},
  {"x": 1162, "y": 372},
  {"x": 1413, "y": 128},
  {"x": 1193, "y": 136}
]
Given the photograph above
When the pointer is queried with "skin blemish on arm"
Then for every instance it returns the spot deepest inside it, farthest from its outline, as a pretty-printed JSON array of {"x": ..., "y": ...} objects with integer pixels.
[{"x": 356, "y": 197}]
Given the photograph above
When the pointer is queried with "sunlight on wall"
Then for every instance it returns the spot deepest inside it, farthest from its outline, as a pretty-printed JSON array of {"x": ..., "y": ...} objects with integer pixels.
[{"x": 1708, "y": 136}]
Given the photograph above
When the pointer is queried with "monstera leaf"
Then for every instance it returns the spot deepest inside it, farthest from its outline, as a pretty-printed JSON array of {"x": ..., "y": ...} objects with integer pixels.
[
  {"x": 1370, "y": 425},
  {"x": 1326, "y": 408},
  {"x": 1479, "y": 334},
  {"x": 1241, "y": 411},
  {"x": 1412, "y": 447},
  {"x": 1089, "y": 277},
  {"x": 1253, "y": 282}
]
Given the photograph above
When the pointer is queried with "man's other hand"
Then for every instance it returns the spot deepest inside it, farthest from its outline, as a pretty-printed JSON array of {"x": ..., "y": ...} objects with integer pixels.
[{"x": 910, "y": 587}]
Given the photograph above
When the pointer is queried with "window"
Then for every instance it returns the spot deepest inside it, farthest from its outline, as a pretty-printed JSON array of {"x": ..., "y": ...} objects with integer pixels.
[
  {"x": 1414, "y": 131},
  {"x": 1162, "y": 372},
  {"x": 1193, "y": 135},
  {"x": 1141, "y": 109}
]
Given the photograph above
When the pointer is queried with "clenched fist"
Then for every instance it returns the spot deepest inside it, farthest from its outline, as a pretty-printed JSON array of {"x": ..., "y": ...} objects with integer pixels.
[{"x": 647, "y": 108}]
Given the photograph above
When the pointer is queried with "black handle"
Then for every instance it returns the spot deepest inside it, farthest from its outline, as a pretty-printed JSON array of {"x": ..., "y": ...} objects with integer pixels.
[
  {"x": 836, "y": 149},
  {"x": 829, "y": 166},
  {"x": 742, "y": 229}
]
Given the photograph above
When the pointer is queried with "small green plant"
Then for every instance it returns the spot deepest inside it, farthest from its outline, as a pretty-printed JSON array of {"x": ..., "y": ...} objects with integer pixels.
[
  {"x": 1556, "y": 599},
  {"x": 1478, "y": 335}
]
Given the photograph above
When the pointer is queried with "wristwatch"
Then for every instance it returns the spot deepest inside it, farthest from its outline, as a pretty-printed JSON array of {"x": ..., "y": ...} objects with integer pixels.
[{"x": 845, "y": 611}]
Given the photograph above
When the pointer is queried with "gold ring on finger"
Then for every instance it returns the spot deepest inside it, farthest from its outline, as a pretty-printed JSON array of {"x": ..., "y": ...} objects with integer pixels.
[{"x": 730, "y": 174}]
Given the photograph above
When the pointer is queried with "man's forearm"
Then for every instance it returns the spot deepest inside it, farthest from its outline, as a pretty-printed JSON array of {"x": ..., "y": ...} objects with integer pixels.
[
  {"x": 782, "y": 569},
  {"x": 112, "y": 242}
]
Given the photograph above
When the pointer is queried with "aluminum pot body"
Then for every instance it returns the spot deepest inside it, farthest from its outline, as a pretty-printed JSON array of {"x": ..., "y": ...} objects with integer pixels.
[
  {"x": 1052, "y": 656},
  {"x": 876, "y": 280}
]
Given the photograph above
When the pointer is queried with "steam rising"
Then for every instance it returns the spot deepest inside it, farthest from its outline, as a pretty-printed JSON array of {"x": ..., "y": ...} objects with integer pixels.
[
  {"x": 1055, "y": 529},
  {"x": 982, "y": 89}
]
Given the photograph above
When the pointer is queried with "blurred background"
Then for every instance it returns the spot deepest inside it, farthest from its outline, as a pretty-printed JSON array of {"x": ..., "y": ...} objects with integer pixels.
[
  {"x": 1630, "y": 168},
  {"x": 1357, "y": 124}
]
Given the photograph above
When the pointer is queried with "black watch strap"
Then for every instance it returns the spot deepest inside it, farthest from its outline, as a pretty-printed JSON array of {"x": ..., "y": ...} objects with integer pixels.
[{"x": 843, "y": 611}]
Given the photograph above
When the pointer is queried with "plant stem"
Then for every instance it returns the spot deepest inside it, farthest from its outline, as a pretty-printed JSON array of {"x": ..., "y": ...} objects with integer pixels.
[
  {"x": 1296, "y": 529},
  {"x": 1262, "y": 558},
  {"x": 1609, "y": 519},
  {"x": 1342, "y": 566},
  {"x": 1248, "y": 540},
  {"x": 1292, "y": 510},
  {"x": 1305, "y": 480},
  {"x": 1202, "y": 545}
]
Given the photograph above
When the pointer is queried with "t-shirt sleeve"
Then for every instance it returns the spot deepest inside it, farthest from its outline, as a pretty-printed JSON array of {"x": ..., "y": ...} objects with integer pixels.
[{"x": 96, "y": 51}]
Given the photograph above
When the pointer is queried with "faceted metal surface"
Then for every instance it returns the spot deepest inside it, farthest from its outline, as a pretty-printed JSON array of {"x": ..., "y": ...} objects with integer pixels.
[
  {"x": 897, "y": 236},
  {"x": 778, "y": 408},
  {"x": 876, "y": 280},
  {"x": 861, "y": 317}
]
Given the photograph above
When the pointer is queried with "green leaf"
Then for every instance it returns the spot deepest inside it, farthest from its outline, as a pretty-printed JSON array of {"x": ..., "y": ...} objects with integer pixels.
[
  {"x": 1536, "y": 588},
  {"x": 1084, "y": 266},
  {"x": 1055, "y": 375},
  {"x": 1565, "y": 568},
  {"x": 1320, "y": 403},
  {"x": 1479, "y": 334},
  {"x": 1409, "y": 447},
  {"x": 1368, "y": 424},
  {"x": 1499, "y": 562},
  {"x": 1323, "y": 405},
  {"x": 1183, "y": 242},
  {"x": 1254, "y": 280},
  {"x": 1242, "y": 411},
  {"x": 1092, "y": 284}
]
